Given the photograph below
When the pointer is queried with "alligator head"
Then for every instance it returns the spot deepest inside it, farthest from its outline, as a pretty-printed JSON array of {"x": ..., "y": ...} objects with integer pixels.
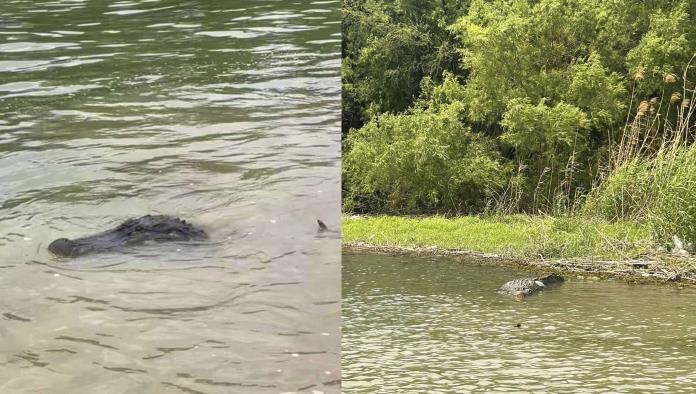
[
  {"x": 158, "y": 228},
  {"x": 551, "y": 278}
]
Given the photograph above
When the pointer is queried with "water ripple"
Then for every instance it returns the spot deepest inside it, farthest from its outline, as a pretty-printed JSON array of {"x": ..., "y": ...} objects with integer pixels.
[
  {"x": 411, "y": 327},
  {"x": 226, "y": 115}
]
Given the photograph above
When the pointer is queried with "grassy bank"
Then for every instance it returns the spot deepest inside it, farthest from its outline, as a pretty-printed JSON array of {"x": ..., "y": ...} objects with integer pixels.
[
  {"x": 515, "y": 236},
  {"x": 573, "y": 245}
]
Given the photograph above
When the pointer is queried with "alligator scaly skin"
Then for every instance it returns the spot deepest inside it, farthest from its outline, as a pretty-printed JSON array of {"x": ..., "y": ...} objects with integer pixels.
[
  {"x": 523, "y": 287},
  {"x": 158, "y": 228}
]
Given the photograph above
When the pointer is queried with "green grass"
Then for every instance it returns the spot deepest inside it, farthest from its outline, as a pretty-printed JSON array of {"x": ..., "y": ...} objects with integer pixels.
[{"x": 515, "y": 236}]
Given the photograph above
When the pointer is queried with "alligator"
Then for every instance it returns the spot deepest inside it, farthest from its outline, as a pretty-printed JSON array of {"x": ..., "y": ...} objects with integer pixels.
[
  {"x": 523, "y": 287},
  {"x": 159, "y": 228}
]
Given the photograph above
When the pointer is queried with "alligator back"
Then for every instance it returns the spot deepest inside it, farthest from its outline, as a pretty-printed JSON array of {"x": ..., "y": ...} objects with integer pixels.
[{"x": 523, "y": 287}]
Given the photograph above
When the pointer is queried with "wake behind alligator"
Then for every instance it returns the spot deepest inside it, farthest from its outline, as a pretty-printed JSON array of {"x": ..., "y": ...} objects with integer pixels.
[
  {"x": 157, "y": 228},
  {"x": 523, "y": 287}
]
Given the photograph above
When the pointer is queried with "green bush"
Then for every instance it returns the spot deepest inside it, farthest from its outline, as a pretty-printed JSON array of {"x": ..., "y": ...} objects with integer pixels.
[
  {"x": 423, "y": 161},
  {"x": 660, "y": 190},
  {"x": 674, "y": 186},
  {"x": 551, "y": 141},
  {"x": 624, "y": 194},
  {"x": 545, "y": 134},
  {"x": 541, "y": 50}
]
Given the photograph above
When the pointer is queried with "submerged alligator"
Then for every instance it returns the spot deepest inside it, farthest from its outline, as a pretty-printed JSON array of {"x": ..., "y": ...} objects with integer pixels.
[
  {"x": 159, "y": 228},
  {"x": 526, "y": 286}
]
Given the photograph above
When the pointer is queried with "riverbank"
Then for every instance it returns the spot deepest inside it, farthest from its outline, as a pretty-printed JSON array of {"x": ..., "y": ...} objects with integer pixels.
[{"x": 580, "y": 246}]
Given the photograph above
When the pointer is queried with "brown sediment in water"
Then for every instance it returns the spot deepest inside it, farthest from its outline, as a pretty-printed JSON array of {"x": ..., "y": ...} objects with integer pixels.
[{"x": 647, "y": 269}]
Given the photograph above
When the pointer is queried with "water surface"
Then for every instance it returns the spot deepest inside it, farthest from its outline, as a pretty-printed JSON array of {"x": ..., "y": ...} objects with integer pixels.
[
  {"x": 222, "y": 113},
  {"x": 414, "y": 325}
]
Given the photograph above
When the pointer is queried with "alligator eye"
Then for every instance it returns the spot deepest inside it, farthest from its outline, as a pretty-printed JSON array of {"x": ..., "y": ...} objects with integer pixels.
[{"x": 138, "y": 228}]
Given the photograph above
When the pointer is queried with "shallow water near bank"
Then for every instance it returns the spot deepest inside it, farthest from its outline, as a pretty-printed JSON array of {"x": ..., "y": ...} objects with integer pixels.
[
  {"x": 437, "y": 325},
  {"x": 226, "y": 114}
]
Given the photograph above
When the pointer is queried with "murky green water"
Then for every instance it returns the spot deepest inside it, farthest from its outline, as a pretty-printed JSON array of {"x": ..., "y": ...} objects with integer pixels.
[
  {"x": 223, "y": 113},
  {"x": 426, "y": 325}
]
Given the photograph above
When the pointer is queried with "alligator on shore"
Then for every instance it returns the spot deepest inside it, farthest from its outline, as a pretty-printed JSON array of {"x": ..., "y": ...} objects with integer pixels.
[
  {"x": 526, "y": 286},
  {"x": 158, "y": 228}
]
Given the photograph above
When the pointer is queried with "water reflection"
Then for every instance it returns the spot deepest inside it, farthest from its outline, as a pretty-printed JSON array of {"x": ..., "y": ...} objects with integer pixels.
[{"x": 226, "y": 115}]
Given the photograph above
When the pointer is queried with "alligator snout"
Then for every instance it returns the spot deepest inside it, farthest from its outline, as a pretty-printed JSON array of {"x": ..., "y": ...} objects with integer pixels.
[{"x": 62, "y": 247}]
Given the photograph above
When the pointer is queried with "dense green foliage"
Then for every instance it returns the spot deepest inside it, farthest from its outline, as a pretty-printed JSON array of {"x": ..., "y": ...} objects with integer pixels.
[
  {"x": 421, "y": 161},
  {"x": 659, "y": 190},
  {"x": 456, "y": 106},
  {"x": 388, "y": 48}
]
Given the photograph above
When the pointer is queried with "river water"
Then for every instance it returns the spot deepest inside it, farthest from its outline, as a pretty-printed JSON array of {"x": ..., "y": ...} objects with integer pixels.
[
  {"x": 226, "y": 114},
  {"x": 416, "y": 325}
]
